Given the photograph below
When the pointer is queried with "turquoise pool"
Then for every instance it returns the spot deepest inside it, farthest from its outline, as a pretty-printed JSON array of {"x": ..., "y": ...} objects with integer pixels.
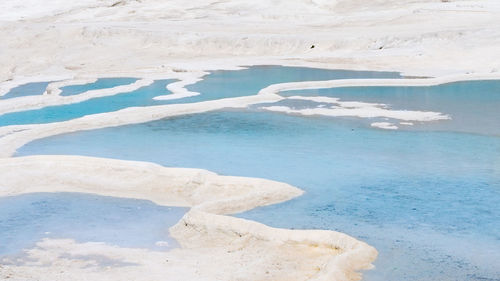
[
  {"x": 141, "y": 97},
  {"x": 217, "y": 85},
  {"x": 426, "y": 196},
  {"x": 249, "y": 81},
  {"x": 472, "y": 105},
  {"x": 414, "y": 195},
  {"x": 101, "y": 83}
]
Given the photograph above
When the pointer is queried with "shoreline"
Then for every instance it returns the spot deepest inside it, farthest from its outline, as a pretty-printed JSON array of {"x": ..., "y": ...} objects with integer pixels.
[
  {"x": 188, "y": 230},
  {"x": 193, "y": 73},
  {"x": 188, "y": 73},
  {"x": 13, "y": 137},
  {"x": 321, "y": 254}
]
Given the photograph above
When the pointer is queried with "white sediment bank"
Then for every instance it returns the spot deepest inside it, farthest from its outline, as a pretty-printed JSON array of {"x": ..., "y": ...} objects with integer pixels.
[
  {"x": 18, "y": 135},
  {"x": 179, "y": 90},
  {"x": 343, "y": 83},
  {"x": 9, "y": 84},
  {"x": 339, "y": 108},
  {"x": 200, "y": 189},
  {"x": 15, "y": 136},
  {"x": 214, "y": 247},
  {"x": 52, "y": 96}
]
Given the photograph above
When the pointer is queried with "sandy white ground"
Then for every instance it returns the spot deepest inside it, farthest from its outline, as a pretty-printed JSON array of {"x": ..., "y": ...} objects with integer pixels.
[
  {"x": 214, "y": 247},
  {"x": 425, "y": 37},
  {"x": 56, "y": 40}
]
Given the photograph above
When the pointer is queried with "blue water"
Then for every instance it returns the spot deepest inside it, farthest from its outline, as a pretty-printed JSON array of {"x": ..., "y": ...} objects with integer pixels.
[
  {"x": 473, "y": 105},
  {"x": 101, "y": 83},
  {"x": 249, "y": 81},
  {"x": 427, "y": 196},
  {"x": 26, "y": 219},
  {"x": 428, "y": 201},
  {"x": 29, "y": 89},
  {"x": 217, "y": 85},
  {"x": 140, "y": 97}
]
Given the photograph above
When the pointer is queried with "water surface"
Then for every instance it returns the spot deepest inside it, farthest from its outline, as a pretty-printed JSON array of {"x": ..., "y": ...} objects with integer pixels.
[
  {"x": 140, "y": 97},
  {"x": 217, "y": 85},
  {"x": 472, "y": 105},
  {"x": 26, "y": 219},
  {"x": 249, "y": 81},
  {"x": 427, "y": 196},
  {"x": 29, "y": 89},
  {"x": 428, "y": 201},
  {"x": 101, "y": 83}
]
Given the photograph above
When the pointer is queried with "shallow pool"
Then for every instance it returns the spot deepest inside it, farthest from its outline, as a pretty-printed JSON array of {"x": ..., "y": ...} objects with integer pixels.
[
  {"x": 140, "y": 97},
  {"x": 26, "y": 219},
  {"x": 29, "y": 89},
  {"x": 217, "y": 85},
  {"x": 472, "y": 105},
  {"x": 101, "y": 83},
  {"x": 428, "y": 201},
  {"x": 249, "y": 81},
  {"x": 426, "y": 196}
]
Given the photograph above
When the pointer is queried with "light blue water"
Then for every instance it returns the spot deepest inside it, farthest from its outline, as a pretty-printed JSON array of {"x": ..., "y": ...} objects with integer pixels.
[
  {"x": 217, "y": 85},
  {"x": 428, "y": 201},
  {"x": 249, "y": 81},
  {"x": 427, "y": 198},
  {"x": 473, "y": 105},
  {"x": 101, "y": 83},
  {"x": 26, "y": 219},
  {"x": 140, "y": 97},
  {"x": 29, "y": 89}
]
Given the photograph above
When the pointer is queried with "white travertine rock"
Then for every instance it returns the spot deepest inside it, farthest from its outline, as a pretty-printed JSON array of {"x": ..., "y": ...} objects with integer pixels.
[
  {"x": 339, "y": 108},
  {"x": 343, "y": 83},
  {"x": 52, "y": 97},
  {"x": 200, "y": 189}
]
